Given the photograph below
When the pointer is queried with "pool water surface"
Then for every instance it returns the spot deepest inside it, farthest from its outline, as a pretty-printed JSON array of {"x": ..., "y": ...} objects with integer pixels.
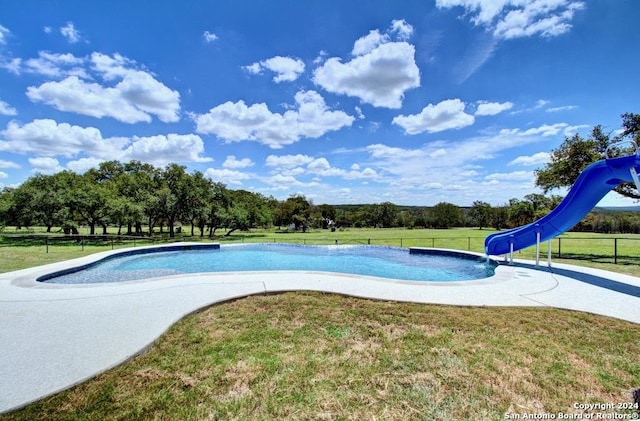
[{"x": 377, "y": 261}]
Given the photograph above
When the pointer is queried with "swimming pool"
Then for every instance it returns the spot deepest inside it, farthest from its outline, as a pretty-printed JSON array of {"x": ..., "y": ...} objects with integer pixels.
[{"x": 377, "y": 261}]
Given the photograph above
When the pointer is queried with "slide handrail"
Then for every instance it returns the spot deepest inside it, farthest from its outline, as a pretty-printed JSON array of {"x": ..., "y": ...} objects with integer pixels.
[{"x": 615, "y": 146}]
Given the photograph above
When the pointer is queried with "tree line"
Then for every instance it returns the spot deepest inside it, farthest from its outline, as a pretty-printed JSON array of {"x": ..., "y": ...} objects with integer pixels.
[{"x": 138, "y": 197}]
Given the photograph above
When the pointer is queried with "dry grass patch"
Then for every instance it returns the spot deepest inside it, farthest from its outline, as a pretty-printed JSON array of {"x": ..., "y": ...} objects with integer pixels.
[{"x": 321, "y": 356}]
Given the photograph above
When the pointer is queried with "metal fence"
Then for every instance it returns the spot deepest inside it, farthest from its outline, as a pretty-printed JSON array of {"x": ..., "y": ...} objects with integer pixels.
[{"x": 617, "y": 250}]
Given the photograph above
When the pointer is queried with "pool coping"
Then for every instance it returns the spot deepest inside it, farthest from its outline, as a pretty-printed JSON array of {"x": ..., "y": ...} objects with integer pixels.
[{"x": 57, "y": 335}]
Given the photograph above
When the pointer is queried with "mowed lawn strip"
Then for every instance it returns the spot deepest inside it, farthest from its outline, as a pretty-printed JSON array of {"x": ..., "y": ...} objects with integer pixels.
[
  {"x": 323, "y": 356},
  {"x": 584, "y": 249}
]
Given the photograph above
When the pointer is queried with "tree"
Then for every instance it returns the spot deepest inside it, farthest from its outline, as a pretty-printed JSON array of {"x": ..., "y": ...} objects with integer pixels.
[
  {"x": 445, "y": 215},
  {"x": 90, "y": 200},
  {"x": 296, "y": 211},
  {"x": 499, "y": 217},
  {"x": 521, "y": 212},
  {"x": 388, "y": 214},
  {"x": 576, "y": 153},
  {"x": 326, "y": 214},
  {"x": 481, "y": 213},
  {"x": 173, "y": 195},
  {"x": 216, "y": 208},
  {"x": 143, "y": 182},
  {"x": 199, "y": 194},
  {"x": 246, "y": 210},
  {"x": 9, "y": 212}
]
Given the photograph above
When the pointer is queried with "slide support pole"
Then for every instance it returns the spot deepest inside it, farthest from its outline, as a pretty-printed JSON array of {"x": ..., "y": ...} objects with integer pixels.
[
  {"x": 634, "y": 176},
  {"x": 538, "y": 246},
  {"x": 511, "y": 251}
]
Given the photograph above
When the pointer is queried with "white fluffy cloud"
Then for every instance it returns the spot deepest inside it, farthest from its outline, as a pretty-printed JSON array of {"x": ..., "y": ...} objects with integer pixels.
[
  {"x": 45, "y": 165},
  {"x": 287, "y": 161},
  {"x": 448, "y": 114},
  {"x": 546, "y": 130},
  {"x": 70, "y": 32},
  {"x": 539, "y": 158},
  {"x": 49, "y": 139},
  {"x": 379, "y": 74},
  {"x": 369, "y": 42},
  {"x": 418, "y": 171},
  {"x": 209, "y": 36},
  {"x": 492, "y": 108},
  {"x": 164, "y": 149},
  {"x": 4, "y": 32},
  {"x": 287, "y": 69},
  {"x": 236, "y": 122},
  {"x": 226, "y": 176},
  {"x": 6, "y": 109},
  {"x": 135, "y": 98},
  {"x": 55, "y": 65},
  {"x": 8, "y": 164},
  {"x": 401, "y": 28},
  {"x": 77, "y": 96},
  {"x": 233, "y": 163},
  {"x": 298, "y": 165},
  {"x": 511, "y": 176},
  {"x": 508, "y": 19},
  {"x": 82, "y": 165}
]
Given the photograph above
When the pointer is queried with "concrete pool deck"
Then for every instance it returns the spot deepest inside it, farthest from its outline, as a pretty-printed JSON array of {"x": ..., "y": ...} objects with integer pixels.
[{"x": 55, "y": 336}]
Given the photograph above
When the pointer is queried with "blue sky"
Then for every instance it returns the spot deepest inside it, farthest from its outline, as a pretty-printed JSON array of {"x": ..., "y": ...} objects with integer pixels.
[{"x": 413, "y": 102}]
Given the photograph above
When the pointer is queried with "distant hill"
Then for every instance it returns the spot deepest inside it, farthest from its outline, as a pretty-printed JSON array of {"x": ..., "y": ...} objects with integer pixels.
[{"x": 617, "y": 209}]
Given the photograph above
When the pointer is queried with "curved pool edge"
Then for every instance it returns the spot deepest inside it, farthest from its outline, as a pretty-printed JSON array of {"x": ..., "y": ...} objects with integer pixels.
[
  {"x": 56, "y": 336},
  {"x": 37, "y": 277}
]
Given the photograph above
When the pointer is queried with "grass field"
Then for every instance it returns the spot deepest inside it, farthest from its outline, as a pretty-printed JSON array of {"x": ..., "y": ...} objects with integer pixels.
[
  {"x": 587, "y": 249},
  {"x": 322, "y": 356},
  {"x": 319, "y": 356}
]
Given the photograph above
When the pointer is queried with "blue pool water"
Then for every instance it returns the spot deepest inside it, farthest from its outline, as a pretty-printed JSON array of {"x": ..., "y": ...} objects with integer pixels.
[{"x": 385, "y": 262}]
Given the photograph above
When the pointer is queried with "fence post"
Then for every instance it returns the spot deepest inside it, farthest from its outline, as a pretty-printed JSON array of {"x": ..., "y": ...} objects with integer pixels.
[
  {"x": 559, "y": 247},
  {"x": 615, "y": 251},
  {"x": 82, "y": 242},
  {"x": 401, "y": 242},
  {"x": 46, "y": 242}
]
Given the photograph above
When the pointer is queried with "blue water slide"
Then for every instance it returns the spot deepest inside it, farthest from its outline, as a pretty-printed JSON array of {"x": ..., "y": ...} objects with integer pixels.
[{"x": 593, "y": 183}]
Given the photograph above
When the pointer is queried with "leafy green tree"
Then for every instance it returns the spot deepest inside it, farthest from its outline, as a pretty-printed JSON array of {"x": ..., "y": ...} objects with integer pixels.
[
  {"x": 295, "y": 210},
  {"x": 141, "y": 185},
  {"x": 246, "y": 210},
  {"x": 124, "y": 202},
  {"x": 90, "y": 201},
  {"x": 576, "y": 153},
  {"x": 323, "y": 214},
  {"x": 481, "y": 213},
  {"x": 521, "y": 212},
  {"x": 199, "y": 194},
  {"x": 500, "y": 217},
  {"x": 9, "y": 212},
  {"x": 216, "y": 209},
  {"x": 388, "y": 214},
  {"x": 173, "y": 195},
  {"x": 445, "y": 215}
]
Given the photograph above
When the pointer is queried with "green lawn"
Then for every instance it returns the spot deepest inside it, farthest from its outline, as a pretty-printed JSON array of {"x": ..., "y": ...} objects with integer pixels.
[
  {"x": 587, "y": 249},
  {"x": 322, "y": 356}
]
